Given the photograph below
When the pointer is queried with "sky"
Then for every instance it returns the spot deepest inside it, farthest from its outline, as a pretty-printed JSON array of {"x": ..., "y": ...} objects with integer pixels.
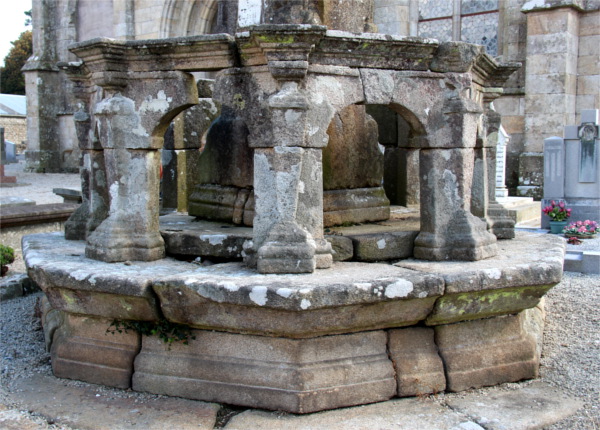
[{"x": 12, "y": 23}]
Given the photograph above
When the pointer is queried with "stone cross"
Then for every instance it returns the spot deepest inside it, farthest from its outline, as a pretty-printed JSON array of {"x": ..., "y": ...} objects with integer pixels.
[{"x": 588, "y": 165}]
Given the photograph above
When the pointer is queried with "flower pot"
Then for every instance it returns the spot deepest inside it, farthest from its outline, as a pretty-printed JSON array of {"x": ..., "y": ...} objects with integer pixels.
[
  {"x": 581, "y": 236},
  {"x": 556, "y": 227}
]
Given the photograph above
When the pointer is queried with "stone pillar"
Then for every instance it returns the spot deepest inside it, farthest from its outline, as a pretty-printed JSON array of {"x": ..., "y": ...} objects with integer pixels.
[
  {"x": 288, "y": 190},
  {"x": 550, "y": 83},
  {"x": 288, "y": 179},
  {"x": 449, "y": 231},
  {"x": 498, "y": 219},
  {"x": 353, "y": 170},
  {"x": 45, "y": 106},
  {"x": 131, "y": 125},
  {"x": 94, "y": 207}
]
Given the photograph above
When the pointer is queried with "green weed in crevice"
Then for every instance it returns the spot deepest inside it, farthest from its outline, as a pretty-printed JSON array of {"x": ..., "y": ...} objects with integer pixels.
[{"x": 167, "y": 331}]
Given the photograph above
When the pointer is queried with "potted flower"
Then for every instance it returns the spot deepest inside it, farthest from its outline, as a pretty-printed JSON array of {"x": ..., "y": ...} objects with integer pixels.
[
  {"x": 581, "y": 229},
  {"x": 558, "y": 214}
]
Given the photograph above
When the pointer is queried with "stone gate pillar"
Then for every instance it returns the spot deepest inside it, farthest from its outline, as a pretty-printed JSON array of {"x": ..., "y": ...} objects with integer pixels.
[{"x": 484, "y": 204}]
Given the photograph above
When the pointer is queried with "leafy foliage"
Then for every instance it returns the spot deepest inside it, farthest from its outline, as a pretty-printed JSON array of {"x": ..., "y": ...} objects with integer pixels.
[
  {"x": 167, "y": 331},
  {"x": 12, "y": 80},
  {"x": 7, "y": 255},
  {"x": 29, "y": 17}
]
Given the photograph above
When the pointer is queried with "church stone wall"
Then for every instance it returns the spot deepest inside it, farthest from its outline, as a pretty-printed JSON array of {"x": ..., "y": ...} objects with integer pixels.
[
  {"x": 94, "y": 19},
  {"x": 588, "y": 79},
  {"x": 15, "y": 128},
  {"x": 148, "y": 14}
]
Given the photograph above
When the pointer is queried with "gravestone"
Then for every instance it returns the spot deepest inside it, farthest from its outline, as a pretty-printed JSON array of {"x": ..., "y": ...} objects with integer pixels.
[
  {"x": 571, "y": 170},
  {"x": 503, "y": 139}
]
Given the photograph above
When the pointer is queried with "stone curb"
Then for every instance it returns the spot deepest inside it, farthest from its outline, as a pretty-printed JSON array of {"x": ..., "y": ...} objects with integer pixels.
[{"x": 524, "y": 406}]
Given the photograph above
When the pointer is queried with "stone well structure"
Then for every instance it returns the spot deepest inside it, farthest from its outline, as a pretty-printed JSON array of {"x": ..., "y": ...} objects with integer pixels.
[{"x": 307, "y": 321}]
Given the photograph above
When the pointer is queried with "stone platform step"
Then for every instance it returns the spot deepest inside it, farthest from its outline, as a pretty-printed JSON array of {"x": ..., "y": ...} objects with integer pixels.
[
  {"x": 382, "y": 241},
  {"x": 35, "y": 214},
  {"x": 524, "y": 210}
]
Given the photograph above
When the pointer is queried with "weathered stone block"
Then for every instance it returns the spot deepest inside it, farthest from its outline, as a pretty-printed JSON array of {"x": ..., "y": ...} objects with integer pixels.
[
  {"x": 487, "y": 352},
  {"x": 82, "y": 349},
  {"x": 219, "y": 202},
  {"x": 79, "y": 285},
  {"x": 51, "y": 320},
  {"x": 341, "y": 247},
  {"x": 349, "y": 297},
  {"x": 496, "y": 286},
  {"x": 419, "y": 368},
  {"x": 553, "y": 21},
  {"x": 352, "y": 158},
  {"x": 387, "y": 246},
  {"x": 187, "y": 236},
  {"x": 298, "y": 376},
  {"x": 353, "y": 206}
]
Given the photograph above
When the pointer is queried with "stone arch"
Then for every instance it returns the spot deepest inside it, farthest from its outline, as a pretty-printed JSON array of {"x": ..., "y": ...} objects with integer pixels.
[
  {"x": 420, "y": 99},
  {"x": 187, "y": 18},
  {"x": 416, "y": 125},
  {"x": 401, "y": 135}
]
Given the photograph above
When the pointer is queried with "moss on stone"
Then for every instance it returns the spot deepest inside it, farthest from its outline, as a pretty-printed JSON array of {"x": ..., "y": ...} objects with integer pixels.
[
  {"x": 472, "y": 305},
  {"x": 276, "y": 38}
]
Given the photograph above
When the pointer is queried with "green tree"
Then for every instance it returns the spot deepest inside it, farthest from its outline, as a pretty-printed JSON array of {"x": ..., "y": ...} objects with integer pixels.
[
  {"x": 12, "y": 80},
  {"x": 28, "y": 19}
]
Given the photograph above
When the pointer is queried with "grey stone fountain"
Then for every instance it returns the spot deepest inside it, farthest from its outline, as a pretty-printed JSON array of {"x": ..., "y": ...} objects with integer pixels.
[{"x": 400, "y": 305}]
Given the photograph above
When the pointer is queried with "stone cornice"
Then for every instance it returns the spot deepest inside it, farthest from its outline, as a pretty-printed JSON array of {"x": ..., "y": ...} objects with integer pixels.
[{"x": 287, "y": 49}]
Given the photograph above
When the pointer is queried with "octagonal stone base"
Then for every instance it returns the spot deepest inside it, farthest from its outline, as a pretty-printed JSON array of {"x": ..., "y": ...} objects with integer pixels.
[
  {"x": 352, "y": 334},
  {"x": 298, "y": 376}
]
